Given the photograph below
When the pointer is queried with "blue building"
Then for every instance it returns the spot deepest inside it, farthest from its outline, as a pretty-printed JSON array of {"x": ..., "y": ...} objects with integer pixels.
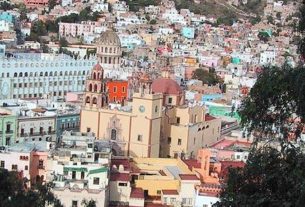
[
  {"x": 67, "y": 122},
  {"x": 188, "y": 32},
  {"x": 211, "y": 97},
  {"x": 6, "y": 16}
]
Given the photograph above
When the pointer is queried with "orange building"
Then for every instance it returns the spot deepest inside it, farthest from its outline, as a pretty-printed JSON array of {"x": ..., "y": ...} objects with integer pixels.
[{"x": 117, "y": 91}]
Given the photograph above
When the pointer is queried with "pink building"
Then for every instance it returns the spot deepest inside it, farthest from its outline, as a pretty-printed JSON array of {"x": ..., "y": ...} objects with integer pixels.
[
  {"x": 36, "y": 3},
  {"x": 84, "y": 28},
  {"x": 38, "y": 166}
]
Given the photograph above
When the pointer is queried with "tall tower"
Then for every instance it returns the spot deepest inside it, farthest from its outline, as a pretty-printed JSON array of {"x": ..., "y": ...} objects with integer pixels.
[
  {"x": 96, "y": 94},
  {"x": 109, "y": 50}
]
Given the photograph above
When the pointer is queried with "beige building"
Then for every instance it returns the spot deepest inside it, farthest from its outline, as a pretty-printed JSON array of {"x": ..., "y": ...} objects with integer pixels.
[
  {"x": 186, "y": 129},
  {"x": 157, "y": 122}
]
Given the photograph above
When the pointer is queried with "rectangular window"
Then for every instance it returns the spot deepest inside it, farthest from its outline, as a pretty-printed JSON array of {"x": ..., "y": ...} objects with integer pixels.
[
  {"x": 122, "y": 184},
  {"x": 114, "y": 89},
  {"x": 140, "y": 138},
  {"x": 88, "y": 129},
  {"x": 170, "y": 100},
  {"x": 178, "y": 120},
  {"x": 169, "y": 140},
  {"x": 20, "y": 85},
  {"x": 8, "y": 128},
  {"x": 173, "y": 200},
  {"x": 74, "y": 204},
  {"x": 8, "y": 141},
  {"x": 123, "y": 89},
  {"x": 2, "y": 164},
  {"x": 26, "y": 167},
  {"x": 179, "y": 141},
  {"x": 14, "y": 167},
  {"x": 40, "y": 164},
  {"x": 96, "y": 181}
]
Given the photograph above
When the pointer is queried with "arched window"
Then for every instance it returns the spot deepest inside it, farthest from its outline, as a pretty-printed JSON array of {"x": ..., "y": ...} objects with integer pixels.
[
  {"x": 95, "y": 88},
  {"x": 113, "y": 134},
  {"x": 110, "y": 50},
  {"x": 109, "y": 60},
  {"x": 94, "y": 101},
  {"x": 20, "y": 74},
  {"x": 31, "y": 74},
  {"x": 87, "y": 99},
  {"x": 105, "y": 59},
  {"x": 46, "y": 74},
  {"x": 94, "y": 76},
  {"x": 106, "y": 50},
  {"x": 15, "y": 74},
  {"x": 51, "y": 73},
  {"x": 84, "y": 72},
  {"x": 60, "y": 73},
  {"x": 41, "y": 74},
  {"x": 66, "y": 73},
  {"x": 90, "y": 87},
  {"x": 25, "y": 74},
  {"x": 55, "y": 74}
]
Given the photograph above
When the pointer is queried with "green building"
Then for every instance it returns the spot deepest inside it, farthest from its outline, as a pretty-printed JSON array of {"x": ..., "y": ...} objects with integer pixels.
[
  {"x": 226, "y": 111},
  {"x": 8, "y": 127}
]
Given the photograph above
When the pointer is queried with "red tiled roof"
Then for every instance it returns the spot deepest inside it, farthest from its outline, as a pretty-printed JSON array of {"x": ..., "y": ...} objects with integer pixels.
[
  {"x": 192, "y": 164},
  {"x": 170, "y": 192},
  {"x": 154, "y": 205},
  {"x": 188, "y": 177},
  {"x": 120, "y": 177},
  {"x": 137, "y": 193},
  {"x": 209, "y": 117},
  {"x": 221, "y": 144},
  {"x": 122, "y": 161},
  {"x": 225, "y": 165}
]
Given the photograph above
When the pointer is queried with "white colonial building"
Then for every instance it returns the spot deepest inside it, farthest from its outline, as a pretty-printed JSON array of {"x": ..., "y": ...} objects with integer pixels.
[{"x": 42, "y": 75}]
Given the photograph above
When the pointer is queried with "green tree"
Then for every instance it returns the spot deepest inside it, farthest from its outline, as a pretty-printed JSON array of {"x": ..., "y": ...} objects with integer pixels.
[
  {"x": 270, "y": 20},
  {"x": 63, "y": 42},
  {"x": 14, "y": 193},
  {"x": 52, "y": 4},
  {"x": 271, "y": 178},
  {"x": 153, "y": 21},
  {"x": 207, "y": 76},
  {"x": 277, "y": 96},
  {"x": 90, "y": 203}
]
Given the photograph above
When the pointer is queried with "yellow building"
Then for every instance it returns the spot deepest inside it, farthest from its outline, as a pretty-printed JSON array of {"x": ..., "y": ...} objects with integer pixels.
[
  {"x": 162, "y": 180},
  {"x": 186, "y": 129}
]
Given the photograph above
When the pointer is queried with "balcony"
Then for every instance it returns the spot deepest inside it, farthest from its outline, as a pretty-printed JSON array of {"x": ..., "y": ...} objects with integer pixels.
[
  {"x": 36, "y": 134},
  {"x": 9, "y": 132}
]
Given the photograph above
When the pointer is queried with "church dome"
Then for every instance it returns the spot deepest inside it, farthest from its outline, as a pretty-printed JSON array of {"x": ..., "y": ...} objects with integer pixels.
[
  {"x": 166, "y": 86},
  {"x": 109, "y": 38}
]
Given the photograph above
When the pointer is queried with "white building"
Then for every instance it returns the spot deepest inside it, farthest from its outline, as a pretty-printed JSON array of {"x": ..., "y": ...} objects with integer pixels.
[
  {"x": 99, "y": 7},
  {"x": 173, "y": 16},
  {"x": 38, "y": 75},
  {"x": 66, "y": 3},
  {"x": 267, "y": 57},
  {"x": 79, "y": 170},
  {"x": 5, "y": 26}
]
